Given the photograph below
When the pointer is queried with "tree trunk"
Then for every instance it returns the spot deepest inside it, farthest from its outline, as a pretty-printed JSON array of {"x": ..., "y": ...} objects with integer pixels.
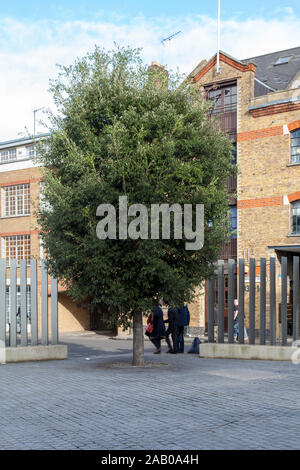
[{"x": 138, "y": 339}]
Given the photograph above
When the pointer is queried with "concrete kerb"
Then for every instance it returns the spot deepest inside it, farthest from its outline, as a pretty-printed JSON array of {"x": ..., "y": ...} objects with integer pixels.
[
  {"x": 33, "y": 353},
  {"x": 247, "y": 352}
]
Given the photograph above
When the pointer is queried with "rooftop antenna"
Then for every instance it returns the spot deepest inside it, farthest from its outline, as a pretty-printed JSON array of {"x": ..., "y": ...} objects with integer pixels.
[
  {"x": 170, "y": 37},
  {"x": 219, "y": 36}
]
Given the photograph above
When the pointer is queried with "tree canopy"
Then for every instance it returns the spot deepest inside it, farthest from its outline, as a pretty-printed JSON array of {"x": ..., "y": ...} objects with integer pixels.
[{"x": 124, "y": 130}]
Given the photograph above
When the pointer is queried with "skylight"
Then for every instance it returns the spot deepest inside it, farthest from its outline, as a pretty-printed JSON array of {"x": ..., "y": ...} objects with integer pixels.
[{"x": 283, "y": 60}]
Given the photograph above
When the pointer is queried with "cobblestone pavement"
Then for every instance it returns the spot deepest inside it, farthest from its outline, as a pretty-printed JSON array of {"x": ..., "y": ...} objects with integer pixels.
[{"x": 189, "y": 403}]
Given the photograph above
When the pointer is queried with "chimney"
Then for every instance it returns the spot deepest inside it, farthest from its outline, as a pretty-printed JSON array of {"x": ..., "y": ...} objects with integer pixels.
[{"x": 158, "y": 75}]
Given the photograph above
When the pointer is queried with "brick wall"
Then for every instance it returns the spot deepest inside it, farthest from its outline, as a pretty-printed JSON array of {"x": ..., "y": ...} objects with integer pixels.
[
  {"x": 267, "y": 183},
  {"x": 72, "y": 316}
]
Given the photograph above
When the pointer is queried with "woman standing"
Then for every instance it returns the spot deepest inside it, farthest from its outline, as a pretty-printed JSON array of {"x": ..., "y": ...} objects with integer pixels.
[{"x": 159, "y": 332}]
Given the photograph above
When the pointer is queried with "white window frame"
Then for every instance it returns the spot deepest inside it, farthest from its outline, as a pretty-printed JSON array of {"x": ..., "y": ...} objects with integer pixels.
[
  {"x": 294, "y": 208},
  {"x": 5, "y": 194},
  {"x": 10, "y": 154},
  {"x": 295, "y": 149},
  {"x": 31, "y": 151},
  {"x": 4, "y": 240}
]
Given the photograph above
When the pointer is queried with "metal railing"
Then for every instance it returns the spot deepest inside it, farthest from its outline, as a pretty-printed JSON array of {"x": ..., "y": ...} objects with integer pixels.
[
  {"x": 15, "y": 318},
  {"x": 229, "y": 250},
  {"x": 232, "y": 184},
  {"x": 256, "y": 306}
]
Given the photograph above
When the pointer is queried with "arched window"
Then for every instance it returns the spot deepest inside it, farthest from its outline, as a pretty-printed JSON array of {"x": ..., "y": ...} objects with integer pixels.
[
  {"x": 295, "y": 146},
  {"x": 295, "y": 217}
]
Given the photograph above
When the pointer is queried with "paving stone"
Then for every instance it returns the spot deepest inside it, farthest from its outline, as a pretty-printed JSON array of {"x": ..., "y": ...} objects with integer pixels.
[{"x": 189, "y": 403}]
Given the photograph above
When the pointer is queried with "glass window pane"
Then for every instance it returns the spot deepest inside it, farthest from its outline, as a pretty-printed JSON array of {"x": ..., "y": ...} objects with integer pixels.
[
  {"x": 17, "y": 200},
  {"x": 227, "y": 100},
  {"x": 298, "y": 224},
  {"x": 295, "y": 146},
  {"x": 295, "y": 141},
  {"x": 295, "y": 218}
]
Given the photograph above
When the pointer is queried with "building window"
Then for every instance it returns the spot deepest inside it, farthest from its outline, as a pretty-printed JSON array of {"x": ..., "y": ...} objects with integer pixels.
[
  {"x": 233, "y": 220},
  {"x": 16, "y": 200},
  {"x": 283, "y": 60},
  {"x": 295, "y": 146},
  {"x": 234, "y": 153},
  {"x": 295, "y": 216},
  {"x": 224, "y": 97},
  {"x": 8, "y": 155},
  {"x": 224, "y": 113},
  {"x": 16, "y": 247},
  {"x": 30, "y": 151}
]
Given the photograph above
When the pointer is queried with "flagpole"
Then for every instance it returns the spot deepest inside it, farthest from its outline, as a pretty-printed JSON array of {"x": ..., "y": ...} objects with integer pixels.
[{"x": 219, "y": 36}]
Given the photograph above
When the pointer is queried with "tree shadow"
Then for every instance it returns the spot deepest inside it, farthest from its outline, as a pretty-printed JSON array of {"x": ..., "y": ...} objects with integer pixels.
[{"x": 84, "y": 350}]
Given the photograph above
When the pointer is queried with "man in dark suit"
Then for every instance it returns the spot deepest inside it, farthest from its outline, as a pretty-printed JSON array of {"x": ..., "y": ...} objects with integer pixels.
[
  {"x": 172, "y": 330},
  {"x": 183, "y": 320}
]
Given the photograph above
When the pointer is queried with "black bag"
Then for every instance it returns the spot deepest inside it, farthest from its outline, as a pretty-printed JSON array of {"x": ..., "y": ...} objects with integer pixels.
[{"x": 195, "y": 347}]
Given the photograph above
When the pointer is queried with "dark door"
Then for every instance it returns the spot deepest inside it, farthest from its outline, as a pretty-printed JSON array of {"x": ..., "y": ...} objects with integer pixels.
[{"x": 100, "y": 320}]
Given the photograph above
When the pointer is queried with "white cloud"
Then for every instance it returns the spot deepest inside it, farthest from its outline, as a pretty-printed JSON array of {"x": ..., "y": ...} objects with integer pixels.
[{"x": 30, "y": 51}]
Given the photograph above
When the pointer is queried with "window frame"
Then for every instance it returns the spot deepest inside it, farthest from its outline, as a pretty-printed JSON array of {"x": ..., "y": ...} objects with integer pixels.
[
  {"x": 10, "y": 155},
  {"x": 283, "y": 60},
  {"x": 16, "y": 196},
  {"x": 226, "y": 114},
  {"x": 233, "y": 217},
  {"x": 8, "y": 250},
  {"x": 295, "y": 228},
  {"x": 223, "y": 108},
  {"x": 31, "y": 151},
  {"x": 294, "y": 135}
]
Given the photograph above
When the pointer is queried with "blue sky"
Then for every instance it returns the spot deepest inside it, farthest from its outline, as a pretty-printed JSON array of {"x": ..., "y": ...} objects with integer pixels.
[
  {"x": 87, "y": 9},
  {"x": 36, "y": 35}
]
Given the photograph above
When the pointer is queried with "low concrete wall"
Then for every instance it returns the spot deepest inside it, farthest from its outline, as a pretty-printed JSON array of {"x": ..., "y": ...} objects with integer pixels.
[
  {"x": 245, "y": 351},
  {"x": 34, "y": 353}
]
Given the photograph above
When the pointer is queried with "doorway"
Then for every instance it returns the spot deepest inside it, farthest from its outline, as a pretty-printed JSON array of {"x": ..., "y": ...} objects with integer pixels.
[{"x": 100, "y": 320}]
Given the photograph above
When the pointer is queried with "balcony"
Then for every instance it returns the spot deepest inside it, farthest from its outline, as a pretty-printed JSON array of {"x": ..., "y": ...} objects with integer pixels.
[
  {"x": 226, "y": 121},
  {"x": 232, "y": 184},
  {"x": 229, "y": 250}
]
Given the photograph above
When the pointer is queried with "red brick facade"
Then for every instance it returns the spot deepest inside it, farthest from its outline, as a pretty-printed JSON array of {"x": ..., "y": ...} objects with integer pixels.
[
  {"x": 260, "y": 133},
  {"x": 263, "y": 202}
]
